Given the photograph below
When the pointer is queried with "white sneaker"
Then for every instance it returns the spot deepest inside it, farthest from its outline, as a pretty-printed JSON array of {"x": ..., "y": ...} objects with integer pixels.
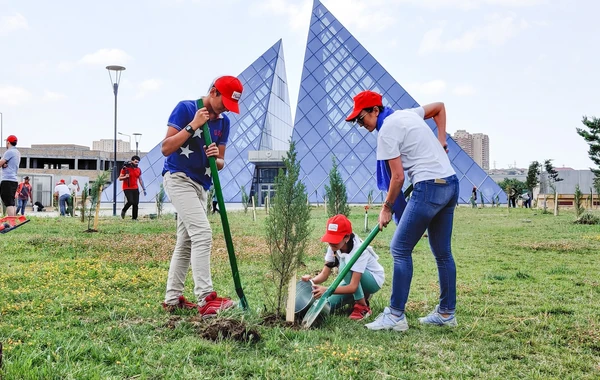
[
  {"x": 388, "y": 321},
  {"x": 436, "y": 319}
]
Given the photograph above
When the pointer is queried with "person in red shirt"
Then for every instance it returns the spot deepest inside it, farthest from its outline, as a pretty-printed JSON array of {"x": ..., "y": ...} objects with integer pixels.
[
  {"x": 131, "y": 174},
  {"x": 24, "y": 193}
]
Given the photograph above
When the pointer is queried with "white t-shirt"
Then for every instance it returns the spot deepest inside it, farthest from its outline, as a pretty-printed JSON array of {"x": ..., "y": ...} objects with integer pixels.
[
  {"x": 405, "y": 134},
  {"x": 73, "y": 189},
  {"x": 62, "y": 189},
  {"x": 366, "y": 262}
]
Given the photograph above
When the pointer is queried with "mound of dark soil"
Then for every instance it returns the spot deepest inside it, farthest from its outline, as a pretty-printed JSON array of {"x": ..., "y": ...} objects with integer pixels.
[{"x": 222, "y": 328}]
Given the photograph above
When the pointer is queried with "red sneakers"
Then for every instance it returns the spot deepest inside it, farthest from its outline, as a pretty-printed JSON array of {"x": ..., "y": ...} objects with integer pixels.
[
  {"x": 360, "y": 312},
  {"x": 213, "y": 304},
  {"x": 183, "y": 304}
]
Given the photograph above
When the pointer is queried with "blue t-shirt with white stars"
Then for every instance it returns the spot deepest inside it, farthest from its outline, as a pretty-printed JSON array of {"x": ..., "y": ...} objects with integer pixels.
[{"x": 191, "y": 158}]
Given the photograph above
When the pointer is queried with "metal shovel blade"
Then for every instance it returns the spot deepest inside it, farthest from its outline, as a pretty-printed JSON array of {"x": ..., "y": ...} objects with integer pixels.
[{"x": 313, "y": 312}]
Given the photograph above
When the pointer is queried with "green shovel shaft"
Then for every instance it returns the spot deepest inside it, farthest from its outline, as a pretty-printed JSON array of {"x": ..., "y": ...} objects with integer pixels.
[{"x": 226, "y": 231}]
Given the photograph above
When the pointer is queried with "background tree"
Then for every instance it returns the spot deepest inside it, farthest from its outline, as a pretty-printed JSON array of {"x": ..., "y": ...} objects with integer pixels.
[
  {"x": 533, "y": 176},
  {"x": 84, "y": 197},
  {"x": 513, "y": 183},
  {"x": 337, "y": 198},
  {"x": 245, "y": 198},
  {"x": 591, "y": 135},
  {"x": 552, "y": 173},
  {"x": 160, "y": 200},
  {"x": 552, "y": 179},
  {"x": 95, "y": 195},
  {"x": 287, "y": 226},
  {"x": 578, "y": 200}
]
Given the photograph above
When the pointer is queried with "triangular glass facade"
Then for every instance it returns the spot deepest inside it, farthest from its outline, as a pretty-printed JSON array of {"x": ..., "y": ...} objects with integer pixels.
[
  {"x": 264, "y": 123},
  {"x": 337, "y": 67}
]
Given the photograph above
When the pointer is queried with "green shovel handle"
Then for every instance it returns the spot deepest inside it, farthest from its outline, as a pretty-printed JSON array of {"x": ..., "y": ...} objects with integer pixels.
[{"x": 226, "y": 231}]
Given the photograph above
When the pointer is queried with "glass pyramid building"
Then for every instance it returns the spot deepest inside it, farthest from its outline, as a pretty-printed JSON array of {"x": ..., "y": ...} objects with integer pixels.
[
  {"x": 264, "y": 123},
  {"x": 337, "y": 67}
]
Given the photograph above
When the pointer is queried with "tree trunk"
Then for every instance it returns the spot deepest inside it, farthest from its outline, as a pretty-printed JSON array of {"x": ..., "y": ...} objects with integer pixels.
[
  {"x": 556, "y": 204},
  {"x": 96, "y": 217}
]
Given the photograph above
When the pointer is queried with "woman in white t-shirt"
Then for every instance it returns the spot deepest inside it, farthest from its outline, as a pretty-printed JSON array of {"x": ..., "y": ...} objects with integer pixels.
[
  {"x": 408, "y": 148},
  {"x": 364, "y": 278}
]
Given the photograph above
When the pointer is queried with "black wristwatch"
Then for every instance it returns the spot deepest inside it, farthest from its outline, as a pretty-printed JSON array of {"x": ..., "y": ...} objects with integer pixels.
[{"x": 189, "y": 129}]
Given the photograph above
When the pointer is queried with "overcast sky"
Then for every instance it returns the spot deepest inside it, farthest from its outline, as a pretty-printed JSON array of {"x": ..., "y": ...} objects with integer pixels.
[{"x": 522, "y": 71}]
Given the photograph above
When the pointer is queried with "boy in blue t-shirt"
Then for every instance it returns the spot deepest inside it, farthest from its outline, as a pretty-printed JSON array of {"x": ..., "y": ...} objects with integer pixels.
[{"x": 187, "y": 179}]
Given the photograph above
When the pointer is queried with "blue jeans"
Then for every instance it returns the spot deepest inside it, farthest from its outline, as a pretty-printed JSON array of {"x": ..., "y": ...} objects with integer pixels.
[
  {"x": 62, "y": 202},
  {"x": 430, "y": 207},
  {"x": 21, "y": 203}
]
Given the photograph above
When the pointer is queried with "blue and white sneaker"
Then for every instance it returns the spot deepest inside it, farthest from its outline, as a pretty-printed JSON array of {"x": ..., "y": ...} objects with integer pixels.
[
  {"x": 436, "y": 319},
  {"x": 388, "y": 321}
]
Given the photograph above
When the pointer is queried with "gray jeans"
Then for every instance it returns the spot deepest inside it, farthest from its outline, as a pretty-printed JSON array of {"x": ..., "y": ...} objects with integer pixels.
[{"x": 194, "y": 237}]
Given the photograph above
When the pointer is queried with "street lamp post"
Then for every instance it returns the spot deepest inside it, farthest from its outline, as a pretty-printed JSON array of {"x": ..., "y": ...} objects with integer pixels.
[
  {"x": 128, "y": 137},
  {"x": 138, "y": 138},
  {"x": 116, "y": 70}
]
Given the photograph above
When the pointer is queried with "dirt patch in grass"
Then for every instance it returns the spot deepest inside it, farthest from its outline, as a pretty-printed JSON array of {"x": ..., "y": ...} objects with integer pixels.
[
  {"x": 217, "y": 329},
  {"x": 173, "y": 321},
  {"x": 567, "y": 246},
  {"x": 272, "y": 320}
]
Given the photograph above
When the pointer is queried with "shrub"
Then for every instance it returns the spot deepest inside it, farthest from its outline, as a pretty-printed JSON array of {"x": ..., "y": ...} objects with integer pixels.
[
  {"x": 337, "y": 199},
  {"x": 287, "y": 227},
  {"x": 588, "y": 218},
  {"x": 245, "y": 198},
  {"x": 160, "y": 200},
  {"x": 578, "y": 201}
]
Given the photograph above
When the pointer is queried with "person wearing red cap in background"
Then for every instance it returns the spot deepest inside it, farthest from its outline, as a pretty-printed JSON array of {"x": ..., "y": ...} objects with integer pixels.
[
  {"x": 407, "y": 146},
  {"x": 187, "y": 179},
  {"x": 364, "y": 278},
  {"x": 23, "y": 194},
  {"x": 10, "y": 166}
]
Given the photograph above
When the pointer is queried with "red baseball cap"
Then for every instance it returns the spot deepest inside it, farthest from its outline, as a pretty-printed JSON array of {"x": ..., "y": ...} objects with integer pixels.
[
  {"x": 231, "y": 90},
  {"x": 365, "y": 99},
  {"x": 338, "y": 226},
  {"x": 11, "y": 139}
]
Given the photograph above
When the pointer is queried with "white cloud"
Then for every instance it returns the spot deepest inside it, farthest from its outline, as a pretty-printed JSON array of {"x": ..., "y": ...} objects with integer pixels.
[
  {"x": 434, "y": 87},
  {"x": 464, "y": 90},
  {"x": 66, "y": 66},
  {"x": 106, "y": 57},
  {"x": 13, "y": 23},
  {"x": 13, "y": 96},
  {"x": 148, "y": 86},
  {"x": 496, "y": 30},
  {"x": 50, "y": 96}
]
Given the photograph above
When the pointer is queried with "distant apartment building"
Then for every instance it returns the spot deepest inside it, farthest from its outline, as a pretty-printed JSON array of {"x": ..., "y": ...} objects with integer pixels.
[
  {"x": 465, "y": 140},
  {"x": 476, "y": 145},
  {"x": 481, "y": 150},
  {"x": 107, "y": 145}
]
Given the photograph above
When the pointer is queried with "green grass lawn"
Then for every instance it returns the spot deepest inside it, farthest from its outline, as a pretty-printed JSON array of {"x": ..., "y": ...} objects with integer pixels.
[{"x": 77, "y": 305}]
